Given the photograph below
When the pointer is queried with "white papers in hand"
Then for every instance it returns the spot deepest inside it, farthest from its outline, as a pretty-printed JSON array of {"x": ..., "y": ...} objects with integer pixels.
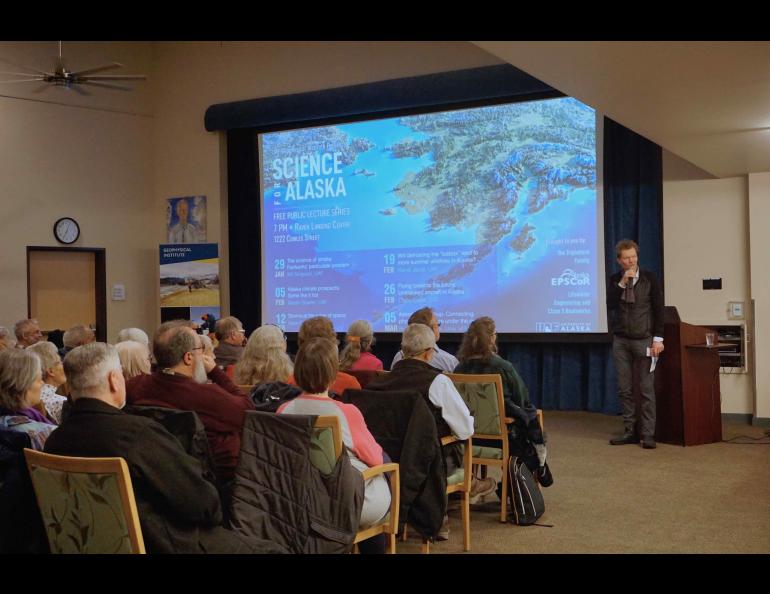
[{"x": 653, "y": 360}]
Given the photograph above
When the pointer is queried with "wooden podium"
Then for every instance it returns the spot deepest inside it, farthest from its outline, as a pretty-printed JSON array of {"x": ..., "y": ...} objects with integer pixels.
[{"x": 688, "y": 400}]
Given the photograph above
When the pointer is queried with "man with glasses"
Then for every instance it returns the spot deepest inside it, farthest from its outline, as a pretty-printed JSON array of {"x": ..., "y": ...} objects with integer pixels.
[
  {"x": 232, "y": 339},
  {"x": 181, "y": 382},
  {"x": 441, "y": 359},
  {"x": 27, "y": 333}
]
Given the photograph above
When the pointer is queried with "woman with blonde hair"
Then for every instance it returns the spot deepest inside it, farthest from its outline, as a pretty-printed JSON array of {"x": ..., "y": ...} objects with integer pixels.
[
  {"x": 53, "y": 378},
  {"x": 264, "y": 358},
  {"x": 357, "y": 354},
  {"x": 21, "y": 380},
  {"x": 134, "y": 358}
]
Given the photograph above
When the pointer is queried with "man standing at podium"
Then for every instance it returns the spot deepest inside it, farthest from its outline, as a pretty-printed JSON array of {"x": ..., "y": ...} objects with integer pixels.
[{"x": 635, "y": 308}]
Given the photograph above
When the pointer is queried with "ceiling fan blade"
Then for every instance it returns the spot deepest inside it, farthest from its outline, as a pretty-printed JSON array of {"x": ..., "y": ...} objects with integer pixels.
[
  {"x": 97, "y": 69},
  {"x": 22, "y": 74},
  {"x": 35, "y": 70},
  {"x": 18, "y": 80},
  {"x": 115, "y": 77},
  {"x": 106, "y": 86}
]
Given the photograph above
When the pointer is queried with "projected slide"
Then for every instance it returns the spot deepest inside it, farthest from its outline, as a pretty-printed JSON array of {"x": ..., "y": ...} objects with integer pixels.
[{"x": 485, "y": 211}]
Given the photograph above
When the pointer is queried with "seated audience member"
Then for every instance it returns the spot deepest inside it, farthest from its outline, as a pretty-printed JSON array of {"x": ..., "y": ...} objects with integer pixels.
[
  {"x": 181, "y": 383},
  {"x": 441, "y": 359},
  {"x": 264, "y": 359},
  {"x": 7, "y": 341},
  {"x": 357, "y": 354},
  {"x": 53, "y": 377},
  {"x": 77, "y": 336},
  {"x": 208, "y": 346},
  {"x": 20, "y": 383},
  {"x": 315, "y": 370},
  {"x": 27, "y": 333},
  {"x": 231, "y": 337},
  {"x": 179, "y": 511},
  {"x": 321, "y": 327},
  {"x": 136, "y": 334},
  {"x": 478, "y": 354},
  {"x": 414, "y": 372},
  {"x": 134, "y": 358}
]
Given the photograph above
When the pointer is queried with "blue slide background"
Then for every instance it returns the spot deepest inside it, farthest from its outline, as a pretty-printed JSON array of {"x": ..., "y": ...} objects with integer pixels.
[{"x": 486, "y": 211}]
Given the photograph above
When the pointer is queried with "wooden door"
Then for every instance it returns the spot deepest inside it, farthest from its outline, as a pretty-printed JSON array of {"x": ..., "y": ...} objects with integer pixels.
[{"x": 66, "y": 287}]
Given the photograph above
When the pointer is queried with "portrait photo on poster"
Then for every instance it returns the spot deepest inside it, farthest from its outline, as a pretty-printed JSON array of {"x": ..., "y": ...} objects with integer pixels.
[{"x": 186, "y": 219}]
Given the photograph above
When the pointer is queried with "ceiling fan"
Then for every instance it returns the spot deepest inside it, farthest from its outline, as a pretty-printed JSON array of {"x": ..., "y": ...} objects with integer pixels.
[{"x": 62, "y": 77}]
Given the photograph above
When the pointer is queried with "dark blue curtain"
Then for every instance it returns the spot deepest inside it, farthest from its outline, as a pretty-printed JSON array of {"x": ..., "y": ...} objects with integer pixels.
[{"x": 566, "y": 376}]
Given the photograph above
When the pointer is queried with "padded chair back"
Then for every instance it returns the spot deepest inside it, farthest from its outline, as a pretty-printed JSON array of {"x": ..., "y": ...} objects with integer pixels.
[
  {"x": 326, "y": 444},
  {"x": 483, "y": 394},
  {"x": 87, "y": 504}
]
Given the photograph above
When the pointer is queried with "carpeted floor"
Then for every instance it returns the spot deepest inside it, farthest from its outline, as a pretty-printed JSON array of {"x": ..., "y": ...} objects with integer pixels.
[{"x": 711, "y": 498}]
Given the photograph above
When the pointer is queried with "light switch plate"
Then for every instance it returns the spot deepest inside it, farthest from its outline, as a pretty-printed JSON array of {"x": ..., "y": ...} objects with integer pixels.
[{"x": 735, "y": 310}]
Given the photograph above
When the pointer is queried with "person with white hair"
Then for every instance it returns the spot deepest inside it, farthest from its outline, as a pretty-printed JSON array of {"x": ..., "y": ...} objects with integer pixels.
[
  {"x": 414, "y": 372},
  {"x": 179, "y": 510},
  {"x": 75, "y": 337},
  {"x": 20, "y": 383},
  {"x": 27, "y": 333},
  {"x": 231, "y": 336},
  {"x": 136, "y": 334},
  {"x": 264, "y": 359},
  {"x": 134, "y": 358},
  {"x": 53, "y": 378},
  {"x": 7, "y": 341}
]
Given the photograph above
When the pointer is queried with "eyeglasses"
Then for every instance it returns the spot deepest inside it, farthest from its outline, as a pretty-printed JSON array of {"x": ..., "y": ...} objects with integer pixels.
[{"x": 200, "y": 348}]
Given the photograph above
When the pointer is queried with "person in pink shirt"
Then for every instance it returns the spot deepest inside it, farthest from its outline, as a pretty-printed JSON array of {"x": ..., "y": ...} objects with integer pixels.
[
  {"x": 315, "y": 368},
  {"x": 357, "y": 354}
]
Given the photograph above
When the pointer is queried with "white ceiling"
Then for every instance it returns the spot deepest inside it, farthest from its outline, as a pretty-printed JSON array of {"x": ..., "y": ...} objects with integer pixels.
[{"x": 707, "y": 102}]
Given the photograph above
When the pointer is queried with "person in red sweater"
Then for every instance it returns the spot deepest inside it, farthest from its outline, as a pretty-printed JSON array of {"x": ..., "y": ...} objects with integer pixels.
[{"x": 181, "y": 383}]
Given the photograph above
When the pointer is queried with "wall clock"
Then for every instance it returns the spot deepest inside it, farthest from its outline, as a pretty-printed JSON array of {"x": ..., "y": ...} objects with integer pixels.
[{"x": 66, "y": 230}]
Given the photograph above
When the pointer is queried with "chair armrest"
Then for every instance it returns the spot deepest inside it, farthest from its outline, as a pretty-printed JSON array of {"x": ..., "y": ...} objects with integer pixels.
[{"x": 379, "y": 469}]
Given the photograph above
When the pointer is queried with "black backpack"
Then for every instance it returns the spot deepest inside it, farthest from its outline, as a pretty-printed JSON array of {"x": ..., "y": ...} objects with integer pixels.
[{"x": 524, "y": 495}]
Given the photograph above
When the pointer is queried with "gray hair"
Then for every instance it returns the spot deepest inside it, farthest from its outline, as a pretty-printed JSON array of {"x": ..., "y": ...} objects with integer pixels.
[
  {"x": 87, "y": 367},
  {"x": 48, "y": 354},
  {"x": 7, "y": 340},
  {"x": 20, "y": 327},
  {"x": 359, "y": 339},
  {"x": 226, "y": 326},
  {"x": 18, "y": 371},
  {"x": 172, "y": 340},
  {"x": 264, "y": 358},
  {"x": 416, "y": 339},
  {"x": 208, "y": 346},
  {"x": 136, "y": 334},
  {"x": 134, "y": 358},
  {"x": 77, "y": 336}
]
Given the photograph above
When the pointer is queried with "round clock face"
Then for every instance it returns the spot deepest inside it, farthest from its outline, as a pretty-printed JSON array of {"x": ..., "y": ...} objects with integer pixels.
[{"x": 66, "y": 230}]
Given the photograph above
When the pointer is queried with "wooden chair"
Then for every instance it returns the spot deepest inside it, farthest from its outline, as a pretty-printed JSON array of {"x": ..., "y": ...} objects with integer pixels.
[
  {"x": 87, "y": 504},
  {"x": 326, "y": 448}
]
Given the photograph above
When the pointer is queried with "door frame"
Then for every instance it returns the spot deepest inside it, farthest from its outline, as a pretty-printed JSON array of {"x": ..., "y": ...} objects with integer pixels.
[{"x": 100, "y": 284}]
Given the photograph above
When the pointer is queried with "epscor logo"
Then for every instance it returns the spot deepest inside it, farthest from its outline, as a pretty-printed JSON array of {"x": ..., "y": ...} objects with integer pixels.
[{"x": 570, "y": 278}]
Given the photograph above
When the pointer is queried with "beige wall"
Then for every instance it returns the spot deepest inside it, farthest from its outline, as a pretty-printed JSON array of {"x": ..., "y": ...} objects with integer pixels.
[
  {"x": 759, "y": 210},
  {"x": 88, "y": 157},
  {"x": 194, "y": 75},
  {"x": 705, "y": 232}
]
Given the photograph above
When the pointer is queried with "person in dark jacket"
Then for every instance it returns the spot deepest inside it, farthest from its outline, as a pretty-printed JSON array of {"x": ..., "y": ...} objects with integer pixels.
[
  {"x": 478, "y": 354},
  {"x": 179, "y": 511},
  {"x": 635, "y": 308}
]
